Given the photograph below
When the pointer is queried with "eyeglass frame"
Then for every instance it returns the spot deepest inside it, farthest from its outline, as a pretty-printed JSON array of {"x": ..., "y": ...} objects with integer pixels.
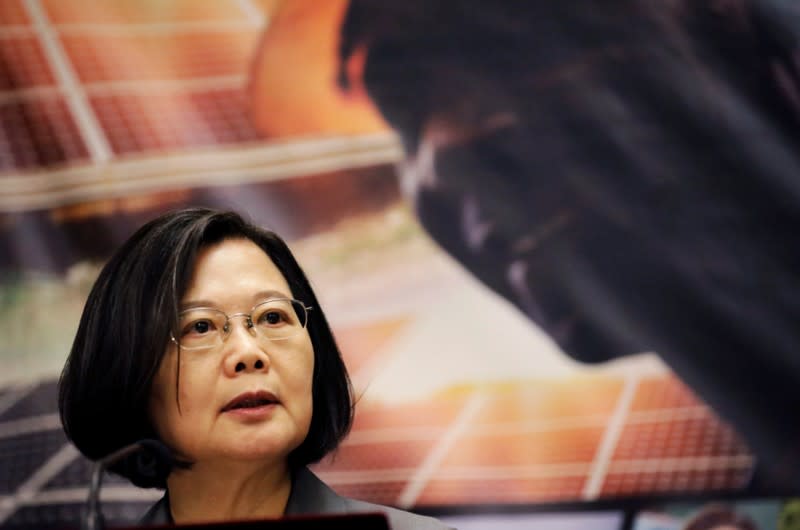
[{"x": 249, "y": 322}]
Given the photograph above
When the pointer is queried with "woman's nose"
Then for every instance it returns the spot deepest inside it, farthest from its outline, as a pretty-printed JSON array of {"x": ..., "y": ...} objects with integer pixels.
[
  {"x": 245, "y": 352},
  {"x": 246, "y": 365}
]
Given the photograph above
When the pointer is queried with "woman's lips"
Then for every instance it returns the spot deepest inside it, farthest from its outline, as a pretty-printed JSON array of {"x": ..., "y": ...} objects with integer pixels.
[
  {"x": 250, "y": 403},
  {"x": 252, "y": 413}
]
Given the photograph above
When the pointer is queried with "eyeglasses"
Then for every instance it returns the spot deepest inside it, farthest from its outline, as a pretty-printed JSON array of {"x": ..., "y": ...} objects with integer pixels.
[{"x": 277, "y": 319}]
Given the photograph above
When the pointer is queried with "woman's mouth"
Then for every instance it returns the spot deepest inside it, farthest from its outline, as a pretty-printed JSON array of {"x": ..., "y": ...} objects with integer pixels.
[{"x": 251, "y": 404}]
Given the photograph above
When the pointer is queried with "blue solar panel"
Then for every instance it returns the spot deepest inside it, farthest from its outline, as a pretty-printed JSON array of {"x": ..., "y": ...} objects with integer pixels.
[
  {"x": 21, "y": 456},
  {"x": 41, "y": 400}
]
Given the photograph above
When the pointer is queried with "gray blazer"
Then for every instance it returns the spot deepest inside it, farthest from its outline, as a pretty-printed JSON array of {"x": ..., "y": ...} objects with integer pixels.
[{"x": 312, "y": 496}]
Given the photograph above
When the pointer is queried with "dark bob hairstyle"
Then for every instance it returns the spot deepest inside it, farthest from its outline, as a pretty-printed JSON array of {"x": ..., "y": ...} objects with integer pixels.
[{"x": 125, "y": 328}]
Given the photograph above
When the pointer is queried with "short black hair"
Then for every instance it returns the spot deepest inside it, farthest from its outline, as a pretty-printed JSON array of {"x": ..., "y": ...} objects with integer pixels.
[{"x": 125, "y": 327}]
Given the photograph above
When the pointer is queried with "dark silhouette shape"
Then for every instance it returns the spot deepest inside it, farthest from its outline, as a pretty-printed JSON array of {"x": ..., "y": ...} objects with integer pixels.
[{"x": 627, "y": 175}]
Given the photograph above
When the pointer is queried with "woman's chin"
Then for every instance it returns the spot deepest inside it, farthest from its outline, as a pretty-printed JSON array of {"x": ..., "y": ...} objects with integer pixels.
[{"x": 258, "y": 450}]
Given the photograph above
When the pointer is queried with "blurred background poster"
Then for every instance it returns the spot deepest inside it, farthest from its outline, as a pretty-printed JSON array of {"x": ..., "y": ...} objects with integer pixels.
[{"x": 114, "y": 112}]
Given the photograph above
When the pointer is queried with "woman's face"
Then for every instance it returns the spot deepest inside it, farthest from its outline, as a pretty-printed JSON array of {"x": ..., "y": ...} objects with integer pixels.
[{"x": 246, "y": 398}]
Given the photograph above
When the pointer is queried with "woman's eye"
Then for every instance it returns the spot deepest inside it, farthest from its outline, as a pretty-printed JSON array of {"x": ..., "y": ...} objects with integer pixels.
[
  {"x": 272, "y": 317},
  {"x": 199, "y": 327}
]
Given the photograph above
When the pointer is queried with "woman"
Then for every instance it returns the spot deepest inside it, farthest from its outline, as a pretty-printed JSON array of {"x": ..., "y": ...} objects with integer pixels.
[{"x": 203, "y": 332}]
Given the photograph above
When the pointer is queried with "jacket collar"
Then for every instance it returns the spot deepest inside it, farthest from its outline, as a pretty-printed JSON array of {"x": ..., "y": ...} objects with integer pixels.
[{"x": 312, "y": 496}]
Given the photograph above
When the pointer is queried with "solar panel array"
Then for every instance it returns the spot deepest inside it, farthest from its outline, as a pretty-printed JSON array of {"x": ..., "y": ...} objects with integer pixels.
[
  {"x": 84, "y": 82},
  {"x": 512, "y": 446}
]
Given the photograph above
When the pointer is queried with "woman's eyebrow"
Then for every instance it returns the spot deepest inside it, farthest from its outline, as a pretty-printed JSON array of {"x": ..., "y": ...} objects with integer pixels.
[
  {"x": 270, "y": 293},
  {"x": 192, "y": 304},
  {"x": 259, "y": 296}
]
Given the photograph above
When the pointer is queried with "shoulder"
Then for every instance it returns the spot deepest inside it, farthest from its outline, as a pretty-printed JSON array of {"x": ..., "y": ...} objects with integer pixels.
[
  {"x": 311, "y": 495},
  {"x": 158, "y": 514},
  {"x": 398, "y": 519}
]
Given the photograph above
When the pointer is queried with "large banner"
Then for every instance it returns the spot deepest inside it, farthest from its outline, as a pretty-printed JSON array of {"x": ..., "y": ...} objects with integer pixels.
[{"x": 557, "y": 241}]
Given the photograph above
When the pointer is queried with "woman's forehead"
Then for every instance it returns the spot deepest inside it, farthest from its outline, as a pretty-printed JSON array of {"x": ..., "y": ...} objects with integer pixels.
[{"x": 234, "y": 269}]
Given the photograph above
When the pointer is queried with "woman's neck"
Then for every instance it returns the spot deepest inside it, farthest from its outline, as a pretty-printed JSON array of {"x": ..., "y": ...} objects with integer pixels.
[{"x": 225, "y": 491}]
